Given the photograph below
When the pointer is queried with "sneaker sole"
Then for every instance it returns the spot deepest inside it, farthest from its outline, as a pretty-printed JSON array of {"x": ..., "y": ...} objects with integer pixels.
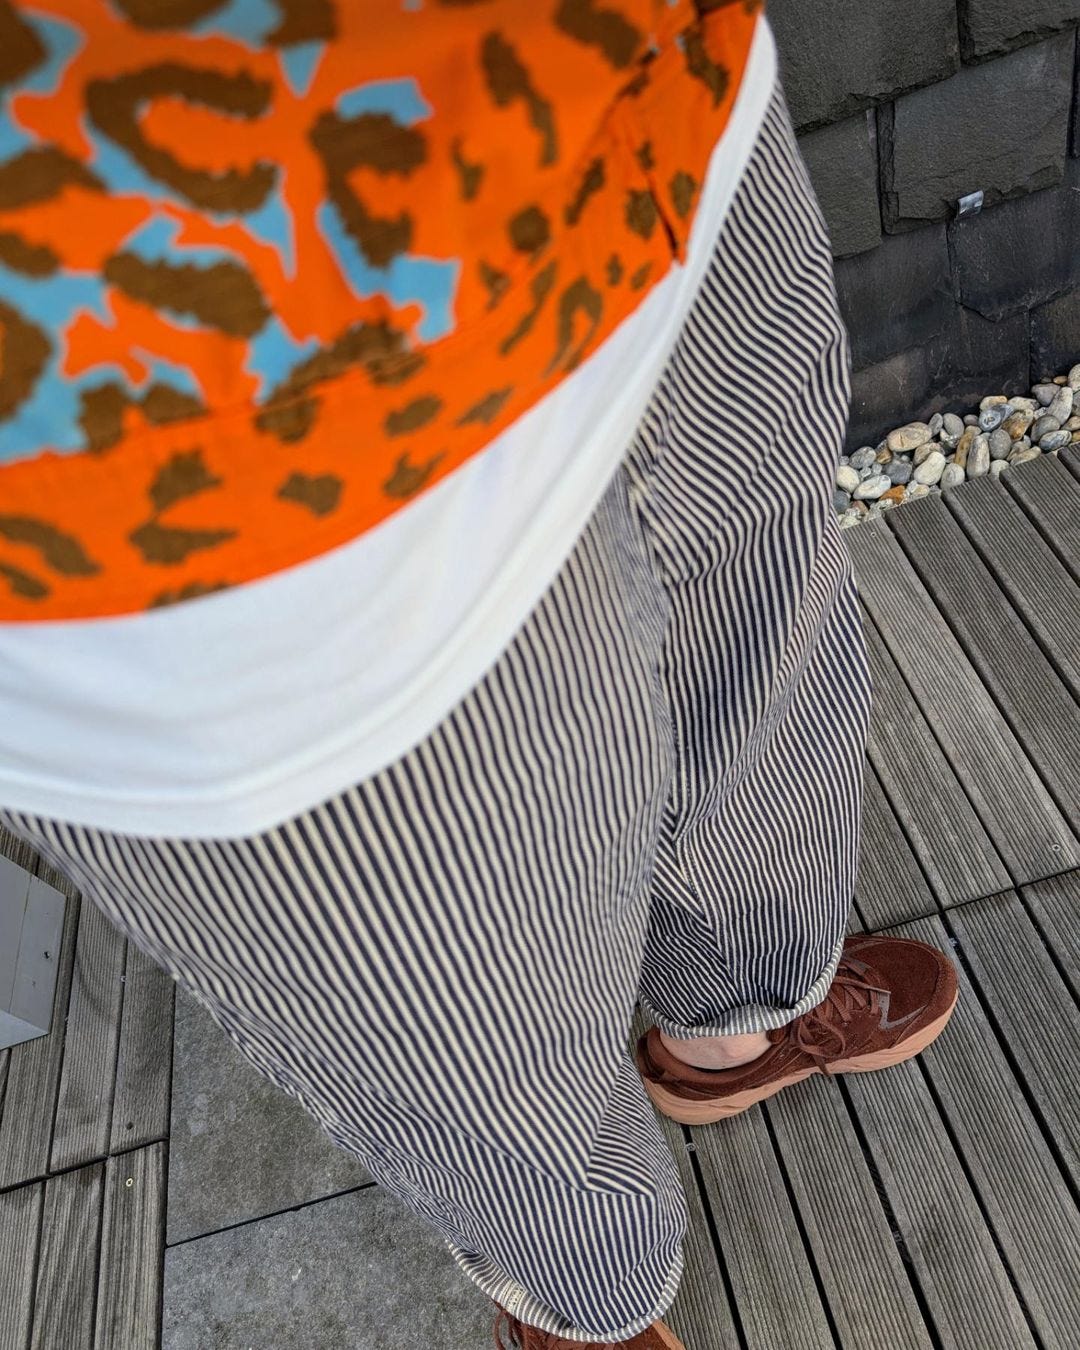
[{"x": 688, "y": 1112}]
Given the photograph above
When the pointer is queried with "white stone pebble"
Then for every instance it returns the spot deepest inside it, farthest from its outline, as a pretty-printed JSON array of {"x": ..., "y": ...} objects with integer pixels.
[
  {"x": 871, "y": 488},
  {"x": 847, "y": 478},
  {"x": 931, "y": 469},
  {"x": 952, "y": 476}
]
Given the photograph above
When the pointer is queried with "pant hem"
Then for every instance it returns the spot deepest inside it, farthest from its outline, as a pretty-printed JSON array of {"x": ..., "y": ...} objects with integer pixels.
[
  {"x": 751, "y": 1017},
  {"x": 535, "y": 1313}
]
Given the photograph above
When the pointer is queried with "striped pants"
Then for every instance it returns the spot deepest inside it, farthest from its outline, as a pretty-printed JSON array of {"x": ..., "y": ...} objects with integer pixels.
[{"x": 653, "y": 796}]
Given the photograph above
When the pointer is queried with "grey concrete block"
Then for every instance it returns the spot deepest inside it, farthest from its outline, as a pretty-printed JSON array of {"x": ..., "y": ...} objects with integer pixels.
[
  {"x": 897, "y": 296},
  {"x": 971, "y": 357},
  {"x": 356, "y": 1272},
  {"x": 842, "y": 162},
  {"x": 837, "y": 56},
  {"x": 31, "y": 926},
  {"x": 1000, "y": 127},
  {"x": 990, "y": 27},
  {"x": 239, "y": 1146},
  {"x": 1020, "y": 254},
  {"x": 1055, "y": 336}
]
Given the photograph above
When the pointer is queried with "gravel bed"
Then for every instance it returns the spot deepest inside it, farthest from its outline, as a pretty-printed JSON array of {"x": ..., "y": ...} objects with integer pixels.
[{"x": 921, "y": 458}]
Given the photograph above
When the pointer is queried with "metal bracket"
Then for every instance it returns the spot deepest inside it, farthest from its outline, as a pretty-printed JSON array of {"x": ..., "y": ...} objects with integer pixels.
[{"x": 970, "y": 205}]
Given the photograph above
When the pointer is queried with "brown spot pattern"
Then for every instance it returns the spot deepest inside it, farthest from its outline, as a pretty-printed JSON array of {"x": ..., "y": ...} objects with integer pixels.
[
  {"x": 413, "y": 416},
  {"x": 607, "y": 29},
  {"x": 529, "y": 230},
  {"x": 698, "y": 62},
  {"x": 640, "y": 277},
  {"x": 162, "y": 404},
  {"x": 21, "y": 50},
  {"x": 494, "y": 281},
  {"x": 645, "y": 156},
  {"x": 407, "y": 479},
  {"x": 33, "y": 260},
  {"x": 470, "y": 175},
  {"x": 166, "y": 545},
  {"x": 614, "y": 270},
  {"x": 592, "y": 182},
  {"x": 508, "y": 81},
  {"x": 487, "y": 409},
  {"x": 101, "y": 411},
  {"x": 24, "y": 352},
  {"x": 579, "y": 297},
  {"x": 184, "y": 475},
  {"x": 320, "y": 493},
  {"x": 194, "y": 590},
  {"x": 304, "y": 21},
  {"x": 641, "y": 212},
  {"x": 224, "y": 296},
  {"x": 22, "y": 583},
  {"x": 540, "y": 286},
  {"x": 60, "y": 551},
  {"x": 682, "y": 188},
  {"x": 374, "y": 141},
  {"x": 115, "y": 107},
  {"x": 157, "y": 14},
  {"x": 38, "y": 175}
]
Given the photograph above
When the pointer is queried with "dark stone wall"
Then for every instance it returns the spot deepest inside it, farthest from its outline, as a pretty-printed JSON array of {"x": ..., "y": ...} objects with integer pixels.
[{"x": 903, "y": 107}]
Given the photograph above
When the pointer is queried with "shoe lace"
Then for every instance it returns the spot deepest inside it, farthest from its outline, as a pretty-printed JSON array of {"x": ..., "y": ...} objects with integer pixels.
[{"x": 820, "y": 1032}]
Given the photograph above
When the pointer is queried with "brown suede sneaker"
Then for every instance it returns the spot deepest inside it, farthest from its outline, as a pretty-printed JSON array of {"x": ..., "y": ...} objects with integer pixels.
[
  {"x": 890, "y": 998},
  {"x": 510, "y": 1334}
]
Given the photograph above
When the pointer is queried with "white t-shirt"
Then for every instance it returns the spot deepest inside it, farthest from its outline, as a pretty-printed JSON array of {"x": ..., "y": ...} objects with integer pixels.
[{"x": 226, "y": 715}]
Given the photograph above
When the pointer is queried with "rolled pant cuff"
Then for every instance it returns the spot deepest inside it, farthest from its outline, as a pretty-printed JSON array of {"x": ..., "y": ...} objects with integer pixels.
[
  {"x": 519, "y": 1303},
  {"x": 750, "y": 1017}
]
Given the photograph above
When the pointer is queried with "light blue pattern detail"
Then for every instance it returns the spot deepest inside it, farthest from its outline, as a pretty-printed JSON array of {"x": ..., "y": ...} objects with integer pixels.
[
  {"x": 299, "y": 64},
  {"x": 246, "y": 21},
  {"x": 62, "y": 41},
  {"x": 156, "y": 240},
  {"x": 409, "y": 279},
  {"x": 163, "y": 371},
  {"x": 272, "y": 224},
  {"x": 273, "y": 352},
  {"x": 399, "y": 99}
]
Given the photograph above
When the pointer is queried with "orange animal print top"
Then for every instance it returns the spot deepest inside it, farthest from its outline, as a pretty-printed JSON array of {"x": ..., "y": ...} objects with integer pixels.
[{"x": 269, "y": 268}]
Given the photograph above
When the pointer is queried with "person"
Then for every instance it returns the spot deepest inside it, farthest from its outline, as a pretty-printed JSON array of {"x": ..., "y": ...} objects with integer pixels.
[{"x": 425, "y": 630}]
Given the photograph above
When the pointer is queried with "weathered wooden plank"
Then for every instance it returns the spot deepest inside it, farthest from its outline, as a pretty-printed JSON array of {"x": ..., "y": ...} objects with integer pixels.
[
  {"x": 771, "y": 1276},
  {"x": 1027, "y": 569},
  {"x": 67, "y": 1270},
  {"x": 1070, "y": 457},
  {"x": 891, "y": 886},
  {"x": 144, "y": 1058},
  {"x": 1039, "y": 708},
  {"x": 1055, "y": 904},
  {"x": 865, "y": 1282},
  {"x": 84, "y": 1104},
  {"x": 1051, "y": 496},
  {"x": 132, "y": 1251},
  {"x": 963, "y": 1280},
  {"x": 20, "y": 1225},
  {"x": 34, "y": 1078},
  {"x": 954, "y": 850},
  {"x": 1038, "y": 1017},
  {"x": 1006, "y": 1153},
  {"x": 1010, "y": 798}
]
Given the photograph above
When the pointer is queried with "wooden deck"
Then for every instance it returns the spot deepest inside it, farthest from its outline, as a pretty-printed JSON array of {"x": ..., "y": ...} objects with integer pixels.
[{"x": 929, "y": 1207}]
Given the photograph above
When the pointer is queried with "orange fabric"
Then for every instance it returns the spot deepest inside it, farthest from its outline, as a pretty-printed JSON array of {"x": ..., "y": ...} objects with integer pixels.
[{"x": 538, "y": 162}]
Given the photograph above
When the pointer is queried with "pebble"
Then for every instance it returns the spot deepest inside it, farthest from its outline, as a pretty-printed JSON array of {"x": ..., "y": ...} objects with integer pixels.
[
  {"x": 978, "y": 461},
  {"x": 873, "y": 487},
  {"x": 1062, "y": 406},
  {"x": 935, "y": 424},
  {"x": 861, "y": 459},
  {"x": 848, "y": 519},
  {"x": 841, "y": 500},
  {"x": 1045, "y": 393},
  {"x": 1000, "y": 443},
  {"x": 899, "y": 471},
  {"x": 847, "y": 478},
  {"x": 868, "y": 472},
  {"x": 951, "y": 430},
  {"x": 860, "y": 508},
  {"x": 1054, "y": 440},
  {"x": 1073, "y": 424},
  {"x": 924, "y": 452},
  {"x": 1073, "y": 378},
  {"x": 884, "y": 454},
  {"x": 992, "y": 401},
  {"x": 952, "y": 476},
  {"x": 908, "y": 437},
  {"x": 1024, "y": 404},
  {"x": 1044, "y": 426},
  {"x": 914, "y": 490},
  {"x": 970, "y": 420},
  {"x": 998, "y": 467},
  {"x": 894, "y": 496},
  {"x": 964, "y": 445},
  {"x": 1022, "y": 456},
  {"x": 931, "y": 469},
  {"x": 1017, "y": 423},
  {"x": 993, "y": 417}
]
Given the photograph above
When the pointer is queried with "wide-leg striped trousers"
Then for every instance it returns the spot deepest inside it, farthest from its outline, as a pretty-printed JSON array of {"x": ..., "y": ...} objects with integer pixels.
[{"x": 654, "y": 794}]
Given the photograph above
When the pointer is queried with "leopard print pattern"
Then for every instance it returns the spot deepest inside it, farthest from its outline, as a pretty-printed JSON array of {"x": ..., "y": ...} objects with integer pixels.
[{"x": 271, "y": 268}]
